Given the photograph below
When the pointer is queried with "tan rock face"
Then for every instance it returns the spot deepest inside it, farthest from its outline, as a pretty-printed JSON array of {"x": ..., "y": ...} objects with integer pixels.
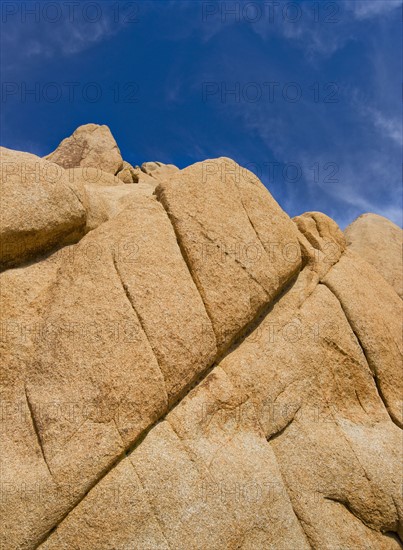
[
  {"x": 90, "y": 145},
  {"x": 38, "y": 209},
  {"x": 198, "y": 372},
  {"x": 238, "y": 260},
  {"x": 380, "y": 243}
]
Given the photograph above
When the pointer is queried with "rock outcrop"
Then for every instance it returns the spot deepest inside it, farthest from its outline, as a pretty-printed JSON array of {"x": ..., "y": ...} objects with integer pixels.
[
  {"x": 128, "y": 174},
  {"x": 38, "y": 208},
  {"x": 238, "y": 261},
  {"x": 150, "y": 173},
  {"x": 159, "y": 170},
  {"x": 92, "y": 146},
  {"x": 380, "y": 243},
  {"x": 103, "y": 195},
  {"x": 195, "y": 370}
]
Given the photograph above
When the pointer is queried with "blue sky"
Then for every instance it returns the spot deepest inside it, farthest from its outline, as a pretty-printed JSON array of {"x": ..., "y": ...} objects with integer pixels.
[{"x": 306, "y": 94}]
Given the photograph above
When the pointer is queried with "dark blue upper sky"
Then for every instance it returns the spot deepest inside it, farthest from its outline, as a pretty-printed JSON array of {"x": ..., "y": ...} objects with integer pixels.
[{"x": 306, "y": 94}]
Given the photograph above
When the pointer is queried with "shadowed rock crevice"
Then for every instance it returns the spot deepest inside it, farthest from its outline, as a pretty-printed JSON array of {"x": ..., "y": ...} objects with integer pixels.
[
  {"x": 36, "y": 430},
  {"x": 281, "y": 431},
  {"x": 372, "y": 366},
  {"x": 393, "y": 417}
]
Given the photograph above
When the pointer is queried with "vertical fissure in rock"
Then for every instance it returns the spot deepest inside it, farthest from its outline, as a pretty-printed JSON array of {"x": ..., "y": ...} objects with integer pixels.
[
  {"x": 104, "y": 472},
  {"x": 236, "y": 260},
  {"x": 297, "y": 268},
  {"x": 138, "y": 316},
  {"x": 294, "y": 509},
  {"x": 250, "y": 219},
  {"x": 36, "y": 430},
  {"x": 371, "y": 365},
  {"x": 160, "y": 198}
]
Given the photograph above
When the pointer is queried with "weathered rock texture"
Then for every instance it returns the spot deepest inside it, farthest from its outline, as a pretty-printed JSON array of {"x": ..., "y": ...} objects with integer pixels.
[
  {"x": 199, "y": 371},
  {"x": 380, "y": 243}
]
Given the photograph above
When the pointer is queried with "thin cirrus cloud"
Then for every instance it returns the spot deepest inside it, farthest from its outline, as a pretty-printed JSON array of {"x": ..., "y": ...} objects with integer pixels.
[
  {"x": 47, "y": 29},
  {"x": 389, "y": 127},
  {"x": 321, "y": 30},
  {"x": 363, "y": 9}
]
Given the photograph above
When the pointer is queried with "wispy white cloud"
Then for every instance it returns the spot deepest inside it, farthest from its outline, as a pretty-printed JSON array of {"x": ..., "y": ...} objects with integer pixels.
[
  {"x": 39, "y": 38},
  {"x": 365, "y": 9},
  {"x": 74, "y": 39},
  {"x": 370, "y": 185},
  {"x": 359, "y": 204},
  {"x": 367, "y": 177},
  {"x": 389, "y": 127},
  {"x": 387, "y": 122},
  {"x": 330, "y": 29}
]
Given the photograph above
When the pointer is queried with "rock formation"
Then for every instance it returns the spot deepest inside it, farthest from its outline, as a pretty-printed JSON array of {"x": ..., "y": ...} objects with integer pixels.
[
  {"x": 380, "y": 243},
  {"x": 38, "y": 209},
  {"x": 186, "y": 367},
  {"x": 89, "y": 146}
]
